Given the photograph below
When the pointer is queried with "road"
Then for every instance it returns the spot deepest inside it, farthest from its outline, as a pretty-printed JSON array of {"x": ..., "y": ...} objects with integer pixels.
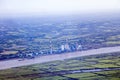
[{"x": 16, "y": 63}]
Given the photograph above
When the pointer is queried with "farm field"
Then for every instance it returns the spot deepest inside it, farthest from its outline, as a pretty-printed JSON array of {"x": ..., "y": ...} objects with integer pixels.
[
  {"x": 94, "y": 67},
  {"x": 37, "y": 36}
]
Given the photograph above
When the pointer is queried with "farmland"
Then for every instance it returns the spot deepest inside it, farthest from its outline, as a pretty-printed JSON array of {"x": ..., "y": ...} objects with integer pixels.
[
  {"x": 33, "y": 35},
  {"x": 94, "y": 67}
]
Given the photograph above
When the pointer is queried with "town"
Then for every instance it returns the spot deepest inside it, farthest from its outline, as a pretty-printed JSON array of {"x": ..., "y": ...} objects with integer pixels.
[{"x": 65, "y": 47}]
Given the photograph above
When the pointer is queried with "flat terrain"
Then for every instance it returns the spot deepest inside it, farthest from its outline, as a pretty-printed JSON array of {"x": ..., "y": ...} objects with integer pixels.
[
  {"x": 33, "y": 35},
  {"x": 17, "y": 63},
  {"x": 94, "y": 67},
  {"x": 98, "y": 58}
]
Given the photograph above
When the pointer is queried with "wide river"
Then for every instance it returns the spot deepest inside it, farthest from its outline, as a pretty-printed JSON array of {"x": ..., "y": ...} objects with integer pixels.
[{"x": 17, "y": 63}]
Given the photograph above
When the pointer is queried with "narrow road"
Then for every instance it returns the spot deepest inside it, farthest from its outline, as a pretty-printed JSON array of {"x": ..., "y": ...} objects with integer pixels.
[{"x": 16, "y": 63}]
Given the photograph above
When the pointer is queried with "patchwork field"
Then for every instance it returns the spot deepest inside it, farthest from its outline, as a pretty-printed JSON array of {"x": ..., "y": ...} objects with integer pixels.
[
  {"x": 36, "y": 35},
  {"x": 94, "y": 67}
]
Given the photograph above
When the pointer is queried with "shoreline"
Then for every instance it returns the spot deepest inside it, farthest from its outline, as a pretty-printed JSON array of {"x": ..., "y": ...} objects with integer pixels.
[{"x": 16, "y": 63}]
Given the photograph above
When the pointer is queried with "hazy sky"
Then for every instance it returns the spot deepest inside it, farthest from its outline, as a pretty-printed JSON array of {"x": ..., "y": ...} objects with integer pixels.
[{"x": 30, "y": 7}]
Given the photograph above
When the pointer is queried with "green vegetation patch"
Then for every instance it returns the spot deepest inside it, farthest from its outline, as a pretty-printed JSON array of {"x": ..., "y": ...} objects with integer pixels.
[{"x": 62, "y": 70}]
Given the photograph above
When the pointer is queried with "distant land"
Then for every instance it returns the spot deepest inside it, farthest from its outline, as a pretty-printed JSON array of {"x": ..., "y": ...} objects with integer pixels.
[{"x": 32, "y": 36}]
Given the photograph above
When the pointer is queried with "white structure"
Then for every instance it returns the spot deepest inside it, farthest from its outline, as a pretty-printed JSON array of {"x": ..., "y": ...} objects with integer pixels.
[
  {"x": 62, "y": 47},
  {"x": 79, "y": 47},
  {"x": 65, "y": 47}
]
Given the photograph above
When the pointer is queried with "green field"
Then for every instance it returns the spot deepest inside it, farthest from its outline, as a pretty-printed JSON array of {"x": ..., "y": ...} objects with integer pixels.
[{"x": 65, "y": 70}]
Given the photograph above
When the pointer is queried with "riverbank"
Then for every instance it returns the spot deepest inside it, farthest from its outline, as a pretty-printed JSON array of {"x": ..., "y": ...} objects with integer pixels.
[
  {"x": 91, "y": 67},
  {"x": 16, "y": 63}
]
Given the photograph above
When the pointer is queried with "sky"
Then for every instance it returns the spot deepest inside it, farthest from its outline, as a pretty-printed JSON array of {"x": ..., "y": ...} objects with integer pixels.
[{"x": 46, "y": 7}]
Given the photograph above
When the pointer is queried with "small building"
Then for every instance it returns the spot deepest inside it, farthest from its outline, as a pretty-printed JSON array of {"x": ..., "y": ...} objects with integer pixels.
[
  {"x": 79, "y": 47},
  {"x": 65, "y": 47},
  {"x": 62, "y": 47}
]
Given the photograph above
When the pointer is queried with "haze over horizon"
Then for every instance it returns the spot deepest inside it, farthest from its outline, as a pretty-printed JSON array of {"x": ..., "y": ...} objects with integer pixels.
[{"x": 54, "y": 7}]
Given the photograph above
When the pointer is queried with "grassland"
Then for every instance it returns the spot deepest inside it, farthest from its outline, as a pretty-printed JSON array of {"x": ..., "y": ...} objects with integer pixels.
[{"x": 65, "y": 69}]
